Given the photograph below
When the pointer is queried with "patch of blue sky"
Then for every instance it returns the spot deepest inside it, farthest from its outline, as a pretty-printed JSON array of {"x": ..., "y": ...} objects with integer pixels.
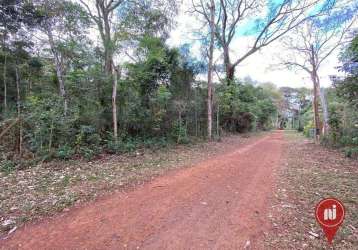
[
  {"x": 336, "y": 17},
  {"x": 254, "y": 26},
  {"x": 322, "y": 6}
]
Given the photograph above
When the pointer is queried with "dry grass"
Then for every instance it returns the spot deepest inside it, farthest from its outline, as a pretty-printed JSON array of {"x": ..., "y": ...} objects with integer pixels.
[{"x": 310, "y": 173}]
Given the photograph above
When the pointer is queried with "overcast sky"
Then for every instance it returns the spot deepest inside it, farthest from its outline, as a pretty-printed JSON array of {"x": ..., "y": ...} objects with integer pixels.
[{"x": 258, "y": 66}]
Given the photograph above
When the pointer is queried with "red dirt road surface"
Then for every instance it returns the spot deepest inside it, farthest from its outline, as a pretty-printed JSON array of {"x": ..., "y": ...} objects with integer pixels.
[{"x": 220, "y": 203}]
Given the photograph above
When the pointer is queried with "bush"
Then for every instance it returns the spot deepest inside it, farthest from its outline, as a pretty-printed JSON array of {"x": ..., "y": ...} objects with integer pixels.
[
  {"x": 155, "y": 143},
  {"x": 65, "y": 152},
  {"x": 121, "y": 146},
  {"x": 351, "y": 152},
  {"x": 87, "y": 153},
  {"x": 128, "y": 146},
  {"x": 113, "y": 147},
  {"x": 345, "y": 140},
  {"x": 7, "y": 166},
  {"x": 88, "y": 136},
  {"x": 355, "y": 141},
  {"x": 307, "y": 129},
  {"x": 179, "y": 133}
]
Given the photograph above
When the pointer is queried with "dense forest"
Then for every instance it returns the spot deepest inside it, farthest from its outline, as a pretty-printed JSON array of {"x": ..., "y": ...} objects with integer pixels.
[{"x": 81, "y": 78}]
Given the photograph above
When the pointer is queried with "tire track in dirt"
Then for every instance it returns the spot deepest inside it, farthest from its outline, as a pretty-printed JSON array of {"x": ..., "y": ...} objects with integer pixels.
[{"x": 220, "y": 203}]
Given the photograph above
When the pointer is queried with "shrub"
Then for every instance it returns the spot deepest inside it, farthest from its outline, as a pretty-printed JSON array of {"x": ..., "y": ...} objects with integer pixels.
[
  {"x": 307, "y": 129},
  {"x": 129, "y": 146},
  {"x": 113, "y": 147},
  {"x": 155, "y": 143},
  {"x": 179, "y": 133},
  {"x": 7, "y": 166},
  {"x": 87, "y": 152},
  {"x": 65, "y": 152},
  {"x": 355, "y": 141},
  {"x": 351, "y": 152},
  {"x": 345, "y": 140},
  {"x": 88, "y": 136},
  {"x": 121, "y": 146}
]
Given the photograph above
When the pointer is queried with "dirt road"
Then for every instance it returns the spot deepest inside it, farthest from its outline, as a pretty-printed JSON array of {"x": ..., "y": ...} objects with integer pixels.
[{"x": 221, "y": 203}]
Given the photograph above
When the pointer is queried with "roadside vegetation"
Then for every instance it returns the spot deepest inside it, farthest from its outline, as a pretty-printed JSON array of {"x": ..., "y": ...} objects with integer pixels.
[
  {"x": 64, "y": 96},
  {"x": 338, "y": 127},
  {"x": 308, "y": 174}
]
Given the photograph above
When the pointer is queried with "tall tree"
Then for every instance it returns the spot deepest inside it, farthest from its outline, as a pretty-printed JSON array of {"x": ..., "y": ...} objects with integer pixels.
[
  {"x": 313, "y": 43},
  {"x": 102, "y": 16},
  {"x": 207, "y": 9},
  {"x": 20, "y": 58},
  {"x": 11, "y": 20},
  {"x": 238, "y": 18},
  {"x": 347, "y": 87},
  {"x": 210, "y": 67},
  {"x": 115, "y": 19},
  {"x": 59, "y": 20}
]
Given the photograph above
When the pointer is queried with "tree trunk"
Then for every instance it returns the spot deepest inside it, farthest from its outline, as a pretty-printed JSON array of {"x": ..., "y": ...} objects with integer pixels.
[
  {"x": 5, "y": 85},
  {"x": 316, "y": 87},
  {"x": 108, "y": 56},
  {"x": 230, "y": 73},
  {"x": 229, "y": 68},
  {"x": 18, "y": 108},
  {"x": 5, "y": 67},
  {"x": 58, "y": 71},
  {"x": 299, "y": 118},
  {"x": 196, "y": 112},
  {"x": 107, "y": 42},
  {"x": 217, "y": 122},
  {"x": 325, "y": 130},
  {"x": 316, "y": 106},
  {"x": 30, "y": 86},
  {"x": 109, "y": 68},
  {"x": 114, "y": 104},
  {"x": 51, "y": 135},
  {"x": 210, "y": 68}
]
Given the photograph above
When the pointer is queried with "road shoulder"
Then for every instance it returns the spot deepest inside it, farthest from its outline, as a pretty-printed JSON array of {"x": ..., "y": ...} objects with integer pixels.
[{"x": 308, "y": 174}]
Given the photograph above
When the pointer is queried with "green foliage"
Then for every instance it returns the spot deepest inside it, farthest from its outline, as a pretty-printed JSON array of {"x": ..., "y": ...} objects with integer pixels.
[
  {"x": 45, "y": 122},
  {"x": 244, "y": 107},
  {"x": 65, "y": 152},
  {"x": 87, "y": 136},
  {"x": 351, "y": 152},
  {"x": 343, "y": 105},
  {"x": 156, "y": 142},
  {"x": 335, "y": 124},
  {"x": 7, "y": 166},
  {"x": 128, "y": 145},
  {"x": 179, "y": 133},
  {"x": 159, "y": 100},
  {"x": 308, "y": 128},
  {"x": 47, "y": 129},
  {"x": 87, "y": 152}
]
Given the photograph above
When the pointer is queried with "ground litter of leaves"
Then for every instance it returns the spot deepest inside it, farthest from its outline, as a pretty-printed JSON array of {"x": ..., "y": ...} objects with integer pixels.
[
  {"x": 53, "y": 187},
  {"x": 308, "y": 174}
]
